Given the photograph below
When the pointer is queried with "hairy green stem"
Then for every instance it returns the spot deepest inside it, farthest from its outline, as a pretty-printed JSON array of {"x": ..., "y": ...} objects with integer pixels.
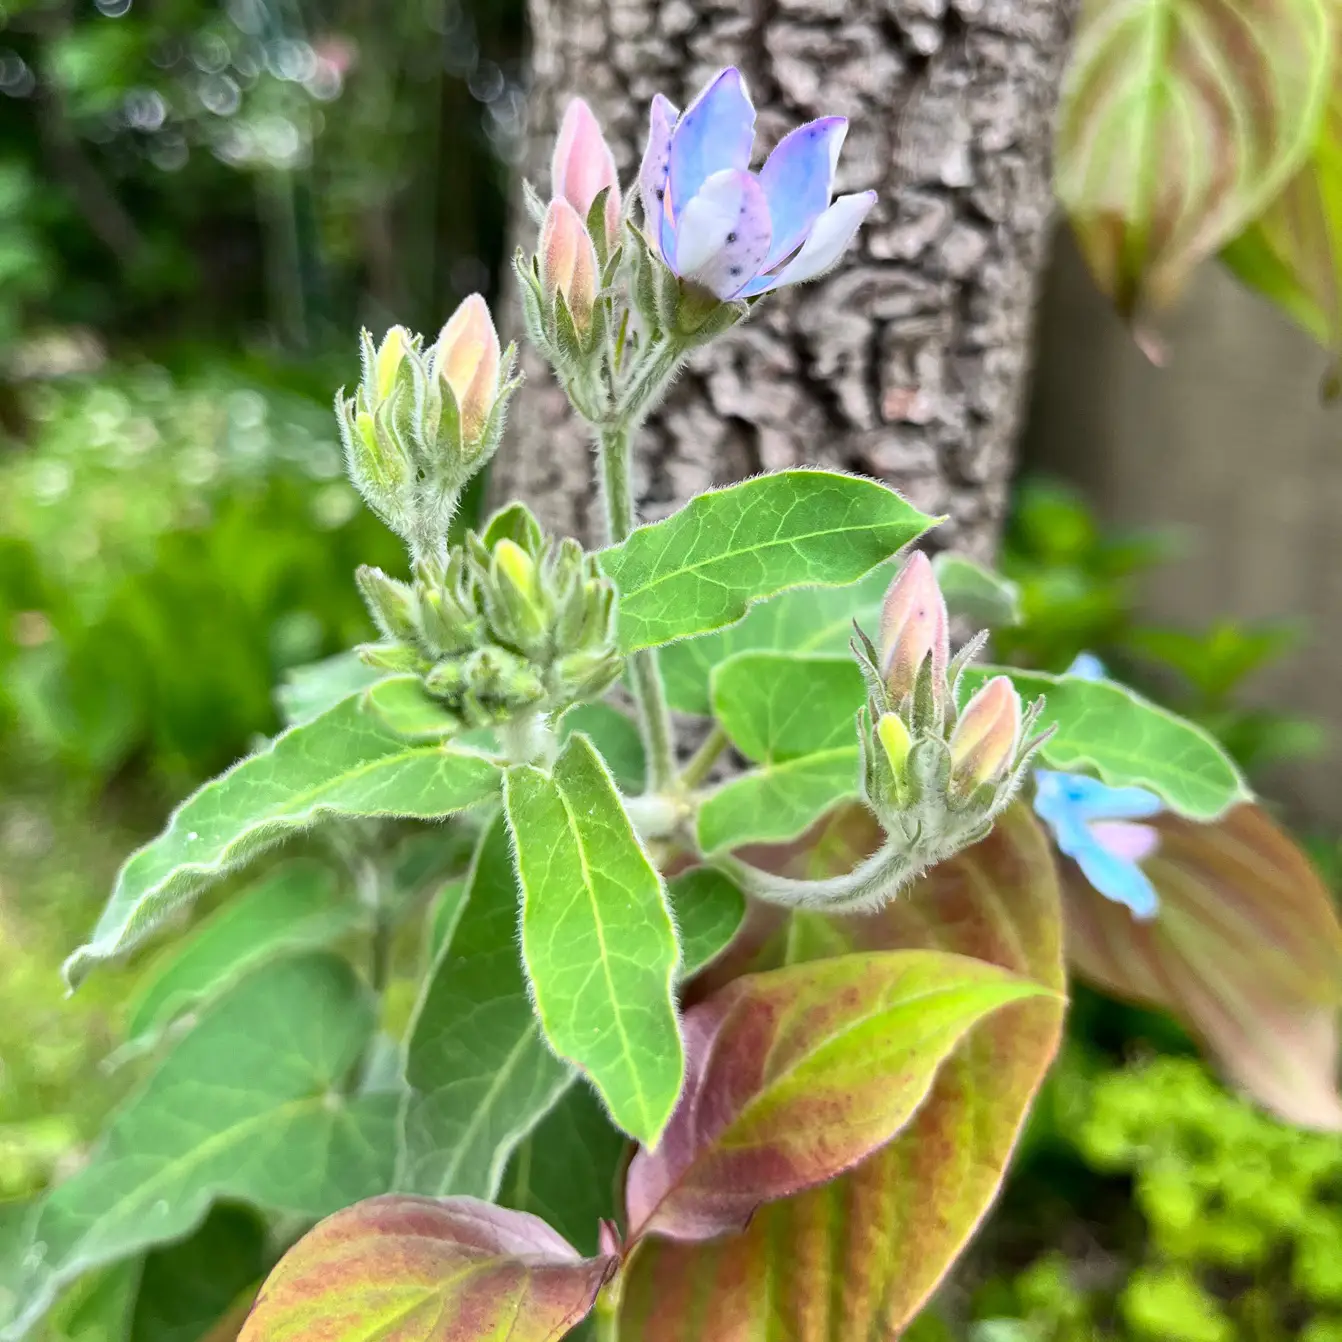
[
  {"x": 869, "y": 885},
  {"x": 645, "y": 678},
  {"x": 697, "y": 767}
]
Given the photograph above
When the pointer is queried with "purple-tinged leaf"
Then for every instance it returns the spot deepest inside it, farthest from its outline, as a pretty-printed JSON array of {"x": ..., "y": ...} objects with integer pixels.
[
  {"x": 1246, "y": 952},
  {"x": 859, "y": 1256},
  {"x": 414, "y": 1269}
]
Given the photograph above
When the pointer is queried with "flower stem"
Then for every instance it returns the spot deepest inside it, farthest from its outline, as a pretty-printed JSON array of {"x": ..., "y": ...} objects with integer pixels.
[
  {"x": 864, "y": 889},
  {"x": 697, "y": 767},
  {"x": 654, "y": 714}
]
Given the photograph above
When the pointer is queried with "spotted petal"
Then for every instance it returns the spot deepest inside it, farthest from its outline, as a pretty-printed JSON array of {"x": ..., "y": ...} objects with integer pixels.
[
  {"x": 798, "y": 178},
  {"x": 716, "y": 132},
  {"x": 827, "y": 242},
  {"x": 656, "y": 162},
  {"x": 723, "y": 235}
]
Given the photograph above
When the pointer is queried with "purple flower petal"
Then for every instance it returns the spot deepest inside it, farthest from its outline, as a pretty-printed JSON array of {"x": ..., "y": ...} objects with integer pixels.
[
  {"x": 1117, "y": 879},
  {"x": 656, "y": 162},
  {"x": 722, "y": 236},
  {"x": 1123, "y": 838},
  {"x": 1089, "y": 799},
  {"x": 827, "y": 242},
  {"x": 716, "y": 132},
  {"x": 798, "y": 178}
]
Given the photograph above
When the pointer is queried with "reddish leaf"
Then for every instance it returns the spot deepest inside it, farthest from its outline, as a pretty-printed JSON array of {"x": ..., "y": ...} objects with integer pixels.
[
  {"x": 1246, "y": 952},
  {"x": 856, "y": 1258},
  {"x": 414, "y": 1269},
  {"x": 798, "y": 1074}
]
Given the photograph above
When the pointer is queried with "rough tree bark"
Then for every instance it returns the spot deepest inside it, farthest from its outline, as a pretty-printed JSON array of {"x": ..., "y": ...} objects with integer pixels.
[{"x": 909, "y": 362}]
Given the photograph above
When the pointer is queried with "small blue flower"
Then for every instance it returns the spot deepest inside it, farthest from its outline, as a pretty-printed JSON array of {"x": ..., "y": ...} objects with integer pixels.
[
  {"x": 1092, "y": 824},
  {"x": 732, "y": 231}
]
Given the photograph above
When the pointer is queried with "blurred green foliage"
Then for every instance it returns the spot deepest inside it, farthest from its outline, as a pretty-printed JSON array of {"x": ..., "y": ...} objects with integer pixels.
[{"x": 1079, "y": 592}]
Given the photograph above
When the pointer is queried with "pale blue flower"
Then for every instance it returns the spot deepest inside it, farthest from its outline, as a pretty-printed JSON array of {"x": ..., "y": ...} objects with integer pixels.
[
  {"x": 735, "y": 232},
  {"x": 1091, "y": 823}
]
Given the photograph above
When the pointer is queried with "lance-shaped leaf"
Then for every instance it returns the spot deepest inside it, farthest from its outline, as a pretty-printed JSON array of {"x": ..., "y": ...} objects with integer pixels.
[
  {"x": 858, "y": 1256},
  {"x": 479, "y": 1072},
  {"x": 703, "y": 566},
  {"x": 298, "y": 906},
  {"x": 597, "y": 937},
  {"x": 415, "y": 1269},
  {"x": 1180, "y": 121},
  {"x": 804, "y": 620},
  {"x": 799, "y": 1074},
  {"x": 794, "y": 717},
  {"x": 250, "y": 1105},
  {"x": 1126, "y": 740},
  {"x": 348, "y": 762},
  {"x": 1292, "y": 252},
  {"x": 1246, "y": 951}
]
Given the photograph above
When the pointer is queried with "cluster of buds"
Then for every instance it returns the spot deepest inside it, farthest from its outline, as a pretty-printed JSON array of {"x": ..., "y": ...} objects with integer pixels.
[
  {"x": 423, "y": 421},
  {"x": 507, "y": 623},
  {"x": 935, "y": 776}
]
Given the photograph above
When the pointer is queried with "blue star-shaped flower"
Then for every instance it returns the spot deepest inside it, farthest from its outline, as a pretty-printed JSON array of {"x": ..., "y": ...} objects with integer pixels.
[{"x": 1091, "y": 823}]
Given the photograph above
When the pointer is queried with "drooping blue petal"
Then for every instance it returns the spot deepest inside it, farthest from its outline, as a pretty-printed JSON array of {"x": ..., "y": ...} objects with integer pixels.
[
  {"x": 828, "y": 240},
  {"x": 1115, "y": 878},
  {"x": 798, "y": 178},
  {"x": 716, "y": 132},
  {"x": 652, "y": 172},
  {"x": 1075, "y": 795},
  {"x": 1087, "y": 666},
  {"x": 722, "y": 235}
]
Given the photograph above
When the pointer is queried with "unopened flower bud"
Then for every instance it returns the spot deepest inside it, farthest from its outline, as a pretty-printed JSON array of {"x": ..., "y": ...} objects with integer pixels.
[
  {"x": 583, "y": 166},
  {"x": 567, "y": 262},
  {"x": 466, "y": 357},
  {"x": 987, "y": 736},
  {"x": 895, "y": 740},
  {"x": 512, "y": 560},
  {"x": 914, "y": 626}
]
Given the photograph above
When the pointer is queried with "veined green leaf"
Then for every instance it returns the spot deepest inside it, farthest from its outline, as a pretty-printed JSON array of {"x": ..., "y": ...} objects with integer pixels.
[
  {"x": 309, "y": 691},
  {"x": 702, "y": 567},
  {"x": 794, "y": 716},
  {"x": 615, "y": 735},
  {"x": 298, "y": 906},
  {"x": 427, "y": 1270},
  {"x": 249, "y": 1105},
  {"x": 804, "y": 620},
  {"x": 409, "y": 710},
  {"x": 708, "y": 910},
  {"x": 597, "y": 938},
  {"x": 1180, "y": 121},
  {"x": 347, "y": 762},
  {"x": 479, "y": 1072},
  {"x": 1126, "y": 740},
  {"x": 984, "y": 598}
]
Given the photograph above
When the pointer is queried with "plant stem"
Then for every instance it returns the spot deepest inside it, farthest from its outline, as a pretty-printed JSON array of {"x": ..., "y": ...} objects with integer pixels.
[
  {"x": 703, "y": 759},
  {"x": 654, "y": 714}
]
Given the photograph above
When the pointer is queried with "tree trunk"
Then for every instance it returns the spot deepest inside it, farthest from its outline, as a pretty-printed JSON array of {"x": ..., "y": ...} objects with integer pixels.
[{"x": 910, "y": 361}]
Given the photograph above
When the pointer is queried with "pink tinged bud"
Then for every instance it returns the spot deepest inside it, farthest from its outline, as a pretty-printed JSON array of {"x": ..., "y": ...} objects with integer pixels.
[
  {"x": 583, "y": 166},
  {"x": 568, "y": 261},
  {"x": 914, "y": 624},
  {"x": 987, "y": 736},
  {"x": 466, "y": 357}
]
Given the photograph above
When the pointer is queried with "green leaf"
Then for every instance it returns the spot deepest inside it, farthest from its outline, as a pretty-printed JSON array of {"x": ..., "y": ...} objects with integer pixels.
[
  {"x": 427, "y": 1270},
  {"x": 799, "y": 1074},
  {"x": 1126, "y": 740},
  {"x": 597, "y": 938},
  {"x": 479, "y": 1072},
  {"x": 250, "y": 1105},
  {"x": 978, "y": 595},
  {"x": 447, "y": 907},
  {"x": 565, "y": 1171},
  {"x": 310, "y": 691},
  {"x": 1246, "y": 953},
  {"x": 295, "y": 907},
  {"x": 859, "y": 1256},
  {"x": 807, "y": 620},
  {"x": 708, "y": 910},
  {"x": 186, "y": 1288},
  {"x": 795, "y": 717},
  {"x": 1157, "y": 90},
  {"x": 615, "y": 735},
  {"x": 702, "y": 567},
  {"x": 345, "y": 763},
  {"x": 409, "y": 710}
]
